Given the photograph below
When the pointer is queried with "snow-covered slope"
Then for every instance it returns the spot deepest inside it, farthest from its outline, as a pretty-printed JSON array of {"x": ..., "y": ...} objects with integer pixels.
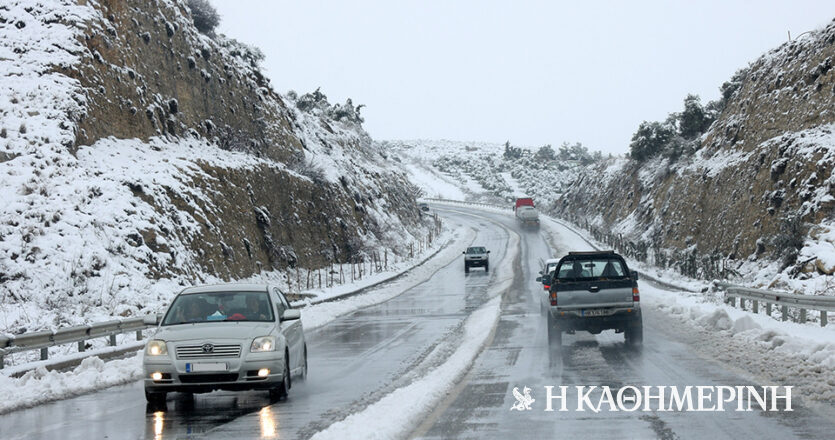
[
  {"x": 482, "y": 171},
  {"x": 138, "y": 155},
  {"x": 756, "y": 198}
]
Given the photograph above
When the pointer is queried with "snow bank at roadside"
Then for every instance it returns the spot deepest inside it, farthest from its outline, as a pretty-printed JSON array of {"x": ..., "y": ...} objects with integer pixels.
[
  {"x": 443, "y": 241},
  {"x": 803, "y": 342},
  {"x": 39, "y": 386},
  {"x": 802, "y": 355},
  {"x": 400, "y": 411}
]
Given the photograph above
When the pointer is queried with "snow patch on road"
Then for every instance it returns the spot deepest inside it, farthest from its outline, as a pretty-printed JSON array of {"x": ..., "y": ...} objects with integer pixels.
[{"x": 397, "y": 413}]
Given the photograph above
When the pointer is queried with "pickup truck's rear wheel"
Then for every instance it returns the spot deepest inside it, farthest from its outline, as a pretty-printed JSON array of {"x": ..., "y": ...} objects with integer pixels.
[
  {"x": 554, "y": 332},
  {"x": 634, "y": 333}
]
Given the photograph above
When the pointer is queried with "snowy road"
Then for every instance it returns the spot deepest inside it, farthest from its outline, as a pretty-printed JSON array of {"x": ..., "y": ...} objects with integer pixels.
[{"x": 357, "y": 359}]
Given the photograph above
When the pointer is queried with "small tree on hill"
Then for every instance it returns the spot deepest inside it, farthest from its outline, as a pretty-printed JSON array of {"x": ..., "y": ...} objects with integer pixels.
[
  {"x": 205, "y": 16},
  {"x": 545, "y": 152},
  {"x": 693, "y": 121},
  {"x": 650, "y": 140},
  {"x": 511, "y": 152}
]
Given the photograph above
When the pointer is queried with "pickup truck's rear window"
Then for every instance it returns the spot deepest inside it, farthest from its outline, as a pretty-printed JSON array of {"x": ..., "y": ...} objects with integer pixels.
[{"x": 597, "y": 268}]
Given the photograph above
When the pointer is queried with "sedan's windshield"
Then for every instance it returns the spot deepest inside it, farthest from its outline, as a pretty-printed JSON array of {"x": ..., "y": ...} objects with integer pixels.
[
  {"x": 606, "y": 268},
  {"x": 219, "y": 306}
]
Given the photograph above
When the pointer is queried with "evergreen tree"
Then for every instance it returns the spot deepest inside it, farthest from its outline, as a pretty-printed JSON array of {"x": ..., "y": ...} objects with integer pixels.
[
  {"x": 693, "y": 121},
  {"x": 205, "y": 16},
  {"x": 650, "y": 140}
]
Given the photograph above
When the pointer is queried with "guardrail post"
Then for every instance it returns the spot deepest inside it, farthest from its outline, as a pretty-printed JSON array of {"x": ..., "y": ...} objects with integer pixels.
[
  {"x": 756, "y": 307},
  {"x": 767, "y": 308},
  {"x": 823, "y": 318},
  {"x": 112, "y": 340},
  {"x": 81, "y": 346},
  {"x": 802, "y": 316},
  {"x": 785, "y": 311},
  {"x": 732, "y": 301},
  {"x": 2, "y": 362},
  {"x": 44, "y": 353},
  {"x": 139, "y": 335},
  {"x": 742, "y": 303}
]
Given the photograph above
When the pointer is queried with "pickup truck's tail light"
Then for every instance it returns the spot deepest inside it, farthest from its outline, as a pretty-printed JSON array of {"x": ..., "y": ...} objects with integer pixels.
[
  {"x": 553, "y": 297},
  {"x": 636, "y": 296}
]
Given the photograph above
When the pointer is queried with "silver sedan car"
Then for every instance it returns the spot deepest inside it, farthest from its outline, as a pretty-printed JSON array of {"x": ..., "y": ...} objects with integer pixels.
[{"x": 225, "y": 337}]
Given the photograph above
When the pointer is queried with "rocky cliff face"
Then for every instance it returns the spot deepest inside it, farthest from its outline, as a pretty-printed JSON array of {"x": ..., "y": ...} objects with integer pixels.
[
  {"x": 139, "y": 155},
  {"x": 760, "y": 185}
]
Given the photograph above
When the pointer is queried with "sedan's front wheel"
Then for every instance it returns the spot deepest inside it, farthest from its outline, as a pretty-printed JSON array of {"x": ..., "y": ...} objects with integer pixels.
[
  {"x": 154, "y": 398},
  {"x": 280, "y": 392}
]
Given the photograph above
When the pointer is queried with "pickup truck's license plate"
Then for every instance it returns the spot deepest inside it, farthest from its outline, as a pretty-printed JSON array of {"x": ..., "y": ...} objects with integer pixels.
[
  {"x": 595, "y": 312},
  {"x": 205, "y": 366}
]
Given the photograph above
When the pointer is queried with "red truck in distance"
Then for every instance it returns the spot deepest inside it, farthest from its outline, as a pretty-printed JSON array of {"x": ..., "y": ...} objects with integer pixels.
[{"x": 524, "y": 201}]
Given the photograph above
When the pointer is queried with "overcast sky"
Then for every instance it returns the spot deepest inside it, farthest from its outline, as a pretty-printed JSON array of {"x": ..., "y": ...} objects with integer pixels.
[{"x": 532, "y": 72}]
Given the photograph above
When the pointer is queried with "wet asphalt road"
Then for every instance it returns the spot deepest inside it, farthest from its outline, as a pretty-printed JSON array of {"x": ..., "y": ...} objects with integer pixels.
[{"x": 360, "y": 357}]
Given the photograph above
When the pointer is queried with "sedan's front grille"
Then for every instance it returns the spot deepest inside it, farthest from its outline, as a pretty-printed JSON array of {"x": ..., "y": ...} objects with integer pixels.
[{"x": 208, "y": 351}]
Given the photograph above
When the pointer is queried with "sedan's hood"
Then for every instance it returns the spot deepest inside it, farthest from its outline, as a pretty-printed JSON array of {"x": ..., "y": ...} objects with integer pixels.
[{"x": 214, "y": 331}]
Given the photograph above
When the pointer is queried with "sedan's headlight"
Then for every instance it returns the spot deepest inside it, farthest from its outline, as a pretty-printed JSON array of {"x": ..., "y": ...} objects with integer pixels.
[
  {"x": 156, "y": 348},
  {"x": 263, "y": 343}
]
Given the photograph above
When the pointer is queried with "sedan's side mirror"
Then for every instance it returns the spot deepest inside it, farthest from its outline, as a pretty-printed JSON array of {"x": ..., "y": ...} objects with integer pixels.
[
  {"x": 151, "y": 319},
  {"x": 538, "y": 279},
  {"x": 488, "y": 252},
  {"x": 291, "y": 314},
  {"x": 464, "y": 252},
  {"x": 635, "y": 275}
]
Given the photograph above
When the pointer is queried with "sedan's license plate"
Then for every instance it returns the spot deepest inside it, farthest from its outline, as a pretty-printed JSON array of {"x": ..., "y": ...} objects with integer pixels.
[
  {"x": 595, "y": 312},
  {"x": 205, "y": 366}
]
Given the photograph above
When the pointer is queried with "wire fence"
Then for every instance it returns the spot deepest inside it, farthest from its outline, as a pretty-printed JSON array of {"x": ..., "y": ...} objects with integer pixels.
[{"x": 359, "y": 266}]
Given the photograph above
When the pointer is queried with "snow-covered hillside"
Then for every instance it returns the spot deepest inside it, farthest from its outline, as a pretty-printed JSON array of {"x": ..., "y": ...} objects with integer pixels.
[
  {"x": 482, "y": 171},
  {"x": 125, "y": 173}
]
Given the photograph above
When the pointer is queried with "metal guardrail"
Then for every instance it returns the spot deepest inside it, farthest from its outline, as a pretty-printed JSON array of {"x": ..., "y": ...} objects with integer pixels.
[
  {"x": 823, "y": 304},
  {"x": 463, "y": 203},
  {"x": 79, "y": 334}
]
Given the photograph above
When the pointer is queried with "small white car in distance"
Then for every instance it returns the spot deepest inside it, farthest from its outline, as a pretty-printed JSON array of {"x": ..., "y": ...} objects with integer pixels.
[{"x": 225, "y": 337}]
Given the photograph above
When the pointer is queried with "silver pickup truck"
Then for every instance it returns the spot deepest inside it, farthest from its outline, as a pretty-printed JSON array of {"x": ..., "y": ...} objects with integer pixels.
[
  {"x": 476, "y": 256},
  {"x": 593, "y": 291}
]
